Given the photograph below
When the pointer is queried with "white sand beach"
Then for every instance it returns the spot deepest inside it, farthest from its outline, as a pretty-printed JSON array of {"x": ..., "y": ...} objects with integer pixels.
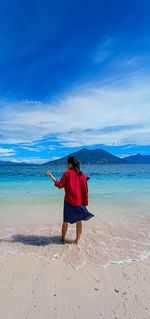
[
  {"x": 106, "y": 276},
  {"x": 33, "y": 288}
]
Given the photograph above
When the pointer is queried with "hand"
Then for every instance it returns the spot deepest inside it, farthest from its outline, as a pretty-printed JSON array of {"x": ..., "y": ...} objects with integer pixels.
[{"x": 49, "y": 172}]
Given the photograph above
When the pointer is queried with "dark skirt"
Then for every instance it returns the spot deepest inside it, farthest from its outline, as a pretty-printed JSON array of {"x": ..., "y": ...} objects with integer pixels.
[{"x": 73, "y": 214}]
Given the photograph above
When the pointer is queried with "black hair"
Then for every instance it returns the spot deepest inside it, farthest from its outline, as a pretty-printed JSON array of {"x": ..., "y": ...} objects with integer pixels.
[{"x": 75, "y": 163}]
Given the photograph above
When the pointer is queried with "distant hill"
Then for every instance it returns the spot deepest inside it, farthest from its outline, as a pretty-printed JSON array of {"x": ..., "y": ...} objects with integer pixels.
[
  {"x": 86, "y": 156},
  {"x": 7, "y": 163},
  {"x": 138, "y": 159},
  {"x": 14, "y": 164}
]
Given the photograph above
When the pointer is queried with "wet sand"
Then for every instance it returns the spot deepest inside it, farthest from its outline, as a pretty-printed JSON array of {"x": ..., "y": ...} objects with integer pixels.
[{"x": 106, "y": 276}]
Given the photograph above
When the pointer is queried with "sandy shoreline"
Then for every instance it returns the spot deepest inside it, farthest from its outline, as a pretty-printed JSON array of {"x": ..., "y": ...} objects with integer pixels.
[
  {"x": 34, "y": 285},
  {"x": 39, "y": 288}
]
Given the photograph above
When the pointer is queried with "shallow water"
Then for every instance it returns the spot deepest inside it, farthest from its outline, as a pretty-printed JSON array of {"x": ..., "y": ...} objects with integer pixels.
[
  {"x": 31, "y": 214},
  {"x": 99, "y": 246}
]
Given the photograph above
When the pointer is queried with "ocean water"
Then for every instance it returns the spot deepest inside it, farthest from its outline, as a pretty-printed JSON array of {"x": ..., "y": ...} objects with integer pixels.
[{"x": 31, "y": 212}]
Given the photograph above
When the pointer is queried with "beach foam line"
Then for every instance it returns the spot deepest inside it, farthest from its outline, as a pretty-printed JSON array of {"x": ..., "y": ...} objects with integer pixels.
[
  {"x": 97, "y": 247},
  {"x": 56, "y": 256}
]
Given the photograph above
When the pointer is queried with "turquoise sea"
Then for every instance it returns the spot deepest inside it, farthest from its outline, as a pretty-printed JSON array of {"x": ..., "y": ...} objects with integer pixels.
[
  {"x": 111, "y": 183},
  {"x": 119, "y": 196}
]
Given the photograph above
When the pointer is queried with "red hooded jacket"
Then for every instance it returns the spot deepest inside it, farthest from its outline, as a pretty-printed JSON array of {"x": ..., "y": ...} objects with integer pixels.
[{"x": 75, "y": 185}]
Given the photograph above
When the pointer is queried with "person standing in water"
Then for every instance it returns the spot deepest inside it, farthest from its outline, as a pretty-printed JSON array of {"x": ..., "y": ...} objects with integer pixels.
[{"x": 74, "y": 182}]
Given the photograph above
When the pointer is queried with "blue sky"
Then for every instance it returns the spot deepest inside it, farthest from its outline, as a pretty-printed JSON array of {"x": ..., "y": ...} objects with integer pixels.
[{"x": 74, "y": 74}]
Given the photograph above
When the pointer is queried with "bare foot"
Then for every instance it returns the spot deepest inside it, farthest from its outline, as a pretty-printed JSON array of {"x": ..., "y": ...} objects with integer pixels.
[
  {"x": 77, "y": 241},
  {"x": 62, "y": 240}
]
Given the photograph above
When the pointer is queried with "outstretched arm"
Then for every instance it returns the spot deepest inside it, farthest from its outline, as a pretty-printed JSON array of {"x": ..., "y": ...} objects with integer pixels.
[
  {"x": 58, "y": 184},
  {"x": 50, "y": 175}
]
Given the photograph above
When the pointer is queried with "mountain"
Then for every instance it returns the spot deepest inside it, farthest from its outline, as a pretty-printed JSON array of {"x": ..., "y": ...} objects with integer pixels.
[
  {"x": 138, "y": 159},
  {"x": 7, "y": 163},
  {"x": 86, "y": 156},
  {"x": 97, "y": 156},
  {"x": 14, "y": 164}
]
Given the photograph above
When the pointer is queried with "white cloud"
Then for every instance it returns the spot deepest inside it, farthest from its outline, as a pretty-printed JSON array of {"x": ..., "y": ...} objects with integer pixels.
[
  {"x": 20, "y": 161},
  {"x": 38, "y": 148},
  {"x": 126, "y": 155},
  {"x": 29, "y": 161},
  {"x": 55, "y": 157},
  {"x": 6, "y": 152},
  {"x": 110, "y": 114}
]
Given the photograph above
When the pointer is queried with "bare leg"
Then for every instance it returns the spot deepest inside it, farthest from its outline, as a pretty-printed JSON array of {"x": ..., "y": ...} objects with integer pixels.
[
  {"x": 64, "y": 230},
  {"x": 78, "y": 231}
]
